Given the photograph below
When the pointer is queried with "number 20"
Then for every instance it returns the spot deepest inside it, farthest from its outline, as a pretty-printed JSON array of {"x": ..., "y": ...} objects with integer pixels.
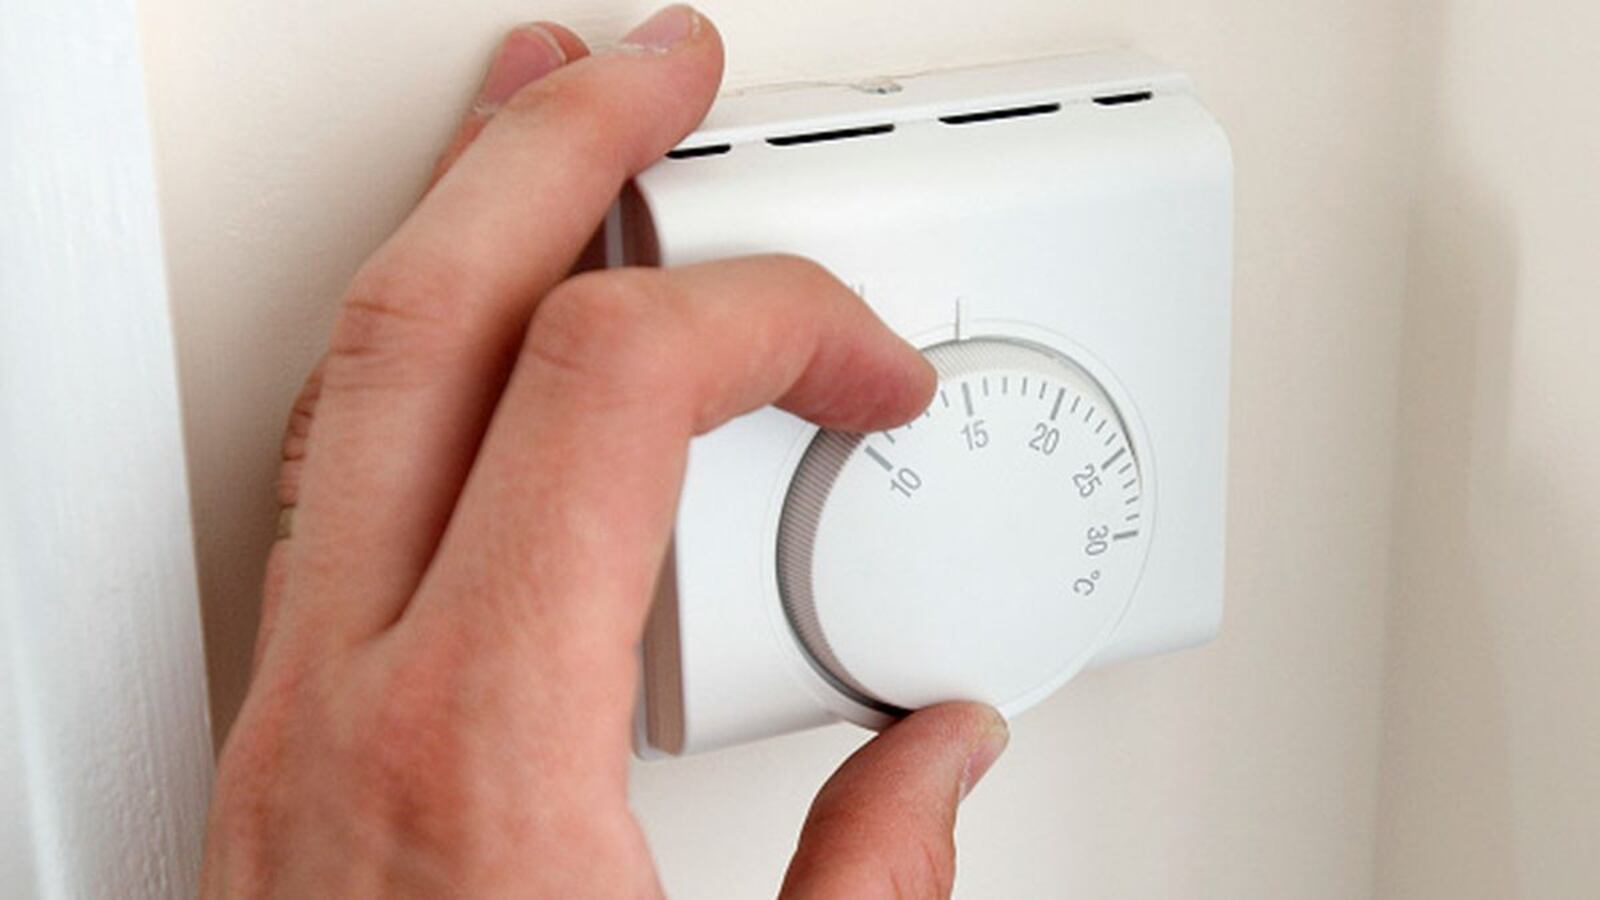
[{"x": 1045, "y": 439}]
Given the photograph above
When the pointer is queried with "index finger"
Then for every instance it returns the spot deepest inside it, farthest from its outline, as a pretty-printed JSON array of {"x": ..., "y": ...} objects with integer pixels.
[
  {"x": 549, "y": 561},
  {"x": 431, "y": 324}
]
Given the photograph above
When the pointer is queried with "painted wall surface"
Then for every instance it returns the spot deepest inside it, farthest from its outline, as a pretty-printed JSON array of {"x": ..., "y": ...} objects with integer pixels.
[
  {"x": 293, "y": 136},
  {"x": 105, "y": 750},
  {"x": 1492, "y": 751}
]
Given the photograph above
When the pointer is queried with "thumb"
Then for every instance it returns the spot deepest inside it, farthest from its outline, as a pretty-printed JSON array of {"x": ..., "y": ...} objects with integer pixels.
[{"x": 883, "y": 824}]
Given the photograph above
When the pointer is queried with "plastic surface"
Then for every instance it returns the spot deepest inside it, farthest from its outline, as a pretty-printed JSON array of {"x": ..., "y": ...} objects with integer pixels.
[
  {"x": 983, "y": 551},
  {"x": 1101, "y": 230}
]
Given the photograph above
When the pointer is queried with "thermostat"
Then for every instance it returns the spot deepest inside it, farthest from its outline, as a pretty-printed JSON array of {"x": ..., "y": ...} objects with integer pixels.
[{"x": 1056, "y": 236}]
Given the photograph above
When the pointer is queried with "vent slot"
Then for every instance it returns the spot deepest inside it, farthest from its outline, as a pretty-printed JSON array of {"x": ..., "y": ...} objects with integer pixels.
[
  {"x": 697, "y": 152},
  {"x": 994, "y": 115},
  {"x": 1124, "y": 99},
  {"x": 839, "y": 134}
]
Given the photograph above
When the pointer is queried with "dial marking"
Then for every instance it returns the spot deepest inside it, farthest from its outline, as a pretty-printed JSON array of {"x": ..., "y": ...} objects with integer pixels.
[
  {"x": 878, "y": 458},
  {"x": 1130, "y": 483},
  {"x": 1125, "y": 468},
  {"x": 817, "y": 550}
]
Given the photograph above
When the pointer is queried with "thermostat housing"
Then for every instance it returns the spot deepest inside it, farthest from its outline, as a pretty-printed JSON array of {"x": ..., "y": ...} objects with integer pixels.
[{"x": 1055, "y": 233}]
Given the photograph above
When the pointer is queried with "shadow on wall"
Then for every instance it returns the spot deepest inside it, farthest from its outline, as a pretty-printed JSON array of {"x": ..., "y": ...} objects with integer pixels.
[
  {"x": 1445, "y": 705},
  {"x": 1490, "y": 734}
]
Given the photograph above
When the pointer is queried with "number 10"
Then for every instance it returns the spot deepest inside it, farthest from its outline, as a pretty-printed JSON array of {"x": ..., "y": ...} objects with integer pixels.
[{"x": 905, "y": 482}]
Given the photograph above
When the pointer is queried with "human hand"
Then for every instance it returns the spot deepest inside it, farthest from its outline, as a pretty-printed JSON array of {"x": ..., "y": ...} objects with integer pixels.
[{"x": 483, "y": 474}]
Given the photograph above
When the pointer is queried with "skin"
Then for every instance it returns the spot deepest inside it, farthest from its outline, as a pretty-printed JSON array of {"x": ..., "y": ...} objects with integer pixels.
[{"x": 484, "y": 471}]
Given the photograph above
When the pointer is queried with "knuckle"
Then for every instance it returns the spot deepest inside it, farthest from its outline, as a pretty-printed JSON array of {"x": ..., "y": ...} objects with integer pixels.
[
  {"x": 604, "y": 330},
  {"x": 408, "y": 744},
  {"x": 806, "y": 272},
  {"x": 297, "y": 431},
  {"x": 246, "y": 767},
  {"x": 291, "y": 474},
  {"x": 262, "y": 746},
  {"x": 392, "y": 759},
  {"x": 395, "y": 320},
  {"x": 803, "y": 276},
  {"x": 409, "y": 754},
  {"x": 297, "y": 438}
]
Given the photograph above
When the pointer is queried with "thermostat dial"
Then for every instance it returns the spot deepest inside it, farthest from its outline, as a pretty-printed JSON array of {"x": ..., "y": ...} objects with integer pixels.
[{"x": 983, "y": 551}]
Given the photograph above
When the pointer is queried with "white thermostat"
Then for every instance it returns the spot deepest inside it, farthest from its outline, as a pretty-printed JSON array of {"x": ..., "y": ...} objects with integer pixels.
[{"x": 1056, "y": 236}]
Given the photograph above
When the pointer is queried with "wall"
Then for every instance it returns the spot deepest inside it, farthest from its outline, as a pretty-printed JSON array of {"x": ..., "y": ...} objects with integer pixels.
[
  {"x": 105, "y": 751},
  {"x": 292, "y": 136},
  {"x": 1492, "y": 751}
]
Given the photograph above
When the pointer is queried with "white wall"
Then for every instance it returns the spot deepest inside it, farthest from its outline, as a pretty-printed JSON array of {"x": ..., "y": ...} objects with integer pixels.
[
  {"x": 1492, "y": 756},
  {"x": 105, "y": 752},
  {"x": 292, "y": 136}
]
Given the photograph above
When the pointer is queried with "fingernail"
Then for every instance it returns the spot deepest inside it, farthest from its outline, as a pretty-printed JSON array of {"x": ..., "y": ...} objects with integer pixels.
[
  {"x": 984, "y": 755},
  {"x": 526, "y": 55},
  {"x": 664, "y": 30}
]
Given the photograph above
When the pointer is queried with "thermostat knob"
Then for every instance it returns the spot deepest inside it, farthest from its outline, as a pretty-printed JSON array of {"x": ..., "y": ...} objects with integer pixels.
[{"x": 983, "y": 551}]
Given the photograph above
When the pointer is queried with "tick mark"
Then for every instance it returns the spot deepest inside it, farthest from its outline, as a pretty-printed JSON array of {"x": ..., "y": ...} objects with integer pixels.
[
  {"x": 944, "y": 398},
  {"x": 966, "y": 397},
  {"x": 1005, "y": 384},
  {"x": 1042, "y": 386},
  {"x": 1121, "y": 452},
  {"x": 1124, "y": 535},
  {"x": 878, "y": 458},
  {"x": 1110, "y": 439},
  {"x": 888, "y": 437},
  {"x": 1132, "y": 517},
  {"x": 1088, "y": 415},
  {"x": 986, "y": 385},
  {"x": 1125, "y": 468},
  {"x": 1129, "y": 483},
  {"x": 1060, "y": 395},
  {"x": 1101, "y": 427},
  {"x": 1024, "y": 390},
  {"x": 1076, "y": 402},
  {"x": 1131, "y": 500}
]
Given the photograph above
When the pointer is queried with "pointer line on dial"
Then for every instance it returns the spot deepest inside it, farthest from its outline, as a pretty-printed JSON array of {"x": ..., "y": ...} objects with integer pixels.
[{"x": 878, "y": 458}]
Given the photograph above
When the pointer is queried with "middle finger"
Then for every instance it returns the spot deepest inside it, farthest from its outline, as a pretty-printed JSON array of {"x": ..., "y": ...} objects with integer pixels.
[{"x": 432, "y": 323}]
